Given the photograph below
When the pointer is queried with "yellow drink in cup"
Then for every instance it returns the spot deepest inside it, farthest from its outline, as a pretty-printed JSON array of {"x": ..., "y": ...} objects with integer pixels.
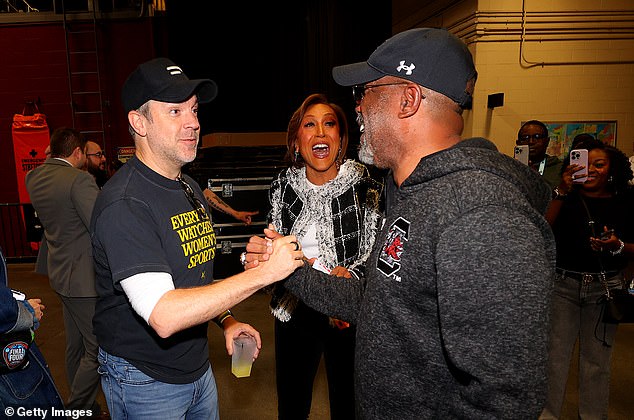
[{"x": 242, "y": 359}]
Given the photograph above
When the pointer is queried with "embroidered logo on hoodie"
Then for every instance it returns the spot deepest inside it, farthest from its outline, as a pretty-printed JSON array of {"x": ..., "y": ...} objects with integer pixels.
[{"x": 389, "y": 262}]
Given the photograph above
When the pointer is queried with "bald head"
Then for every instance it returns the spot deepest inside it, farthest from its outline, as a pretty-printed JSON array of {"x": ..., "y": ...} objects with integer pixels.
[{"x": 95, "y": 158}]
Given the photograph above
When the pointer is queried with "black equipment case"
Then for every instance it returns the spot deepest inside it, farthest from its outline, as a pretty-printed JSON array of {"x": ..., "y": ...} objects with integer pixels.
[{"x": 241, "y": 176}]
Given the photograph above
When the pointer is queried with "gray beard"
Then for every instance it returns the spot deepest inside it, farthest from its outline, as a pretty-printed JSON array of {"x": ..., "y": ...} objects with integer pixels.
[{"x": 365, "y": 154}]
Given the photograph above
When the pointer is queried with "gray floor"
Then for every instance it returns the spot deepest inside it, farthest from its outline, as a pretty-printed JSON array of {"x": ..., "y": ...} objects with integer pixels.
[
  {"x": 250, "y": 398},
  {"x": 254, "y": 397}
]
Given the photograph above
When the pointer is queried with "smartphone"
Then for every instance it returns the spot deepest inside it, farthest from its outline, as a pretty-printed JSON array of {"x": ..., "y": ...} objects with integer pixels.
[
  {"x": 605, "y": 235},
  {"x": 17, "y": 295},
  {"x": 521, "y": 153},
  {"x": 579, "y": 157}
]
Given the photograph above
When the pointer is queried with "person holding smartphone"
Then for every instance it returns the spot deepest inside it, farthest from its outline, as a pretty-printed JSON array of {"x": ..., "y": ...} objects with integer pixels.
[
  {"x": 594, "y": 232},
  {"x": 535, "y": 134}
]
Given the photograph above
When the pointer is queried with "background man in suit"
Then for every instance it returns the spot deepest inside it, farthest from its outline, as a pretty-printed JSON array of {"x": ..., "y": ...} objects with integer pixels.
[{"x": 63, "y": 196}]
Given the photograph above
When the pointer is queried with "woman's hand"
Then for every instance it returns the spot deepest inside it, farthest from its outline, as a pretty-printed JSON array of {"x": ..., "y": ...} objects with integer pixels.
[
  {"x": 340, "y": 271},
  {"x": 567, "y": 177},
  {"x": 609, "y": 242}
]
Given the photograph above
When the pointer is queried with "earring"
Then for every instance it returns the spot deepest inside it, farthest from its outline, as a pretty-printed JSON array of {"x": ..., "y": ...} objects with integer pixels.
[
  {"x": 610, "y": 179},
  {"x": 296, "y": 156}
]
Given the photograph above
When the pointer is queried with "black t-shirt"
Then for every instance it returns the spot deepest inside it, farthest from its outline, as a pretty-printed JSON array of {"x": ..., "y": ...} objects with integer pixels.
[
  {"x": 143, "y": 222},
  {"x": 572, "y": 231}
]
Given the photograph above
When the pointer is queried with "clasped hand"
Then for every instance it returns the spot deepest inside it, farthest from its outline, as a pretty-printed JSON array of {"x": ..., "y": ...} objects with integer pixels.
[{"x": 260, "y": 249}]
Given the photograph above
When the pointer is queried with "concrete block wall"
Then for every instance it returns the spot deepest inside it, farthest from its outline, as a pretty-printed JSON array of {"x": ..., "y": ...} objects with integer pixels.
[{"x": 554, "y": 61}]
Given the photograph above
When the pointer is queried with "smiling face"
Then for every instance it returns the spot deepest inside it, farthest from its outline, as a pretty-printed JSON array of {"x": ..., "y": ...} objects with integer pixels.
[
  {"x": 598, "y": 172},
  {"x": 319, "y": 143}
]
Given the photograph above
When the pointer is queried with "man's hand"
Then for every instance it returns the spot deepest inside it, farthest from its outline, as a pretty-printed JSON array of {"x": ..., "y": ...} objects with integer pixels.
[
  {"x": 233, "y": 328},
  {"x": 285, "y": 257},
  {"x": 260, "y": 249},
  {"x": 38, "y": 308},
  {"x": 244, "y": 216}
]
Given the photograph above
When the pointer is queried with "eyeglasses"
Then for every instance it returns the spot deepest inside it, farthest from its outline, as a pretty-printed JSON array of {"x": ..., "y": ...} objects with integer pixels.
[
  {"x": 193, "y": 200},
  {"x": 98, "y": 154},
  {"x": 358, "y": 91},
  {"x": 526, "y": 138}
]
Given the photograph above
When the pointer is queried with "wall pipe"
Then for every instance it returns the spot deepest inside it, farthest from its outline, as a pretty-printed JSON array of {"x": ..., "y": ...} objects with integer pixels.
[{"x": 525, "y": 63}]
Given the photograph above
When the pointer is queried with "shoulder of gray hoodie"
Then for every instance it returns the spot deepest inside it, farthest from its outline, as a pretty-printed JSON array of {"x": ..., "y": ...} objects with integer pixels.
[{"x": 478, "y": 173}]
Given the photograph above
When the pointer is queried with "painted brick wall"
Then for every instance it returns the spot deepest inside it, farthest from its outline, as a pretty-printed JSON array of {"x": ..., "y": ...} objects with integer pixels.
[{"x": 587, "y": 49}]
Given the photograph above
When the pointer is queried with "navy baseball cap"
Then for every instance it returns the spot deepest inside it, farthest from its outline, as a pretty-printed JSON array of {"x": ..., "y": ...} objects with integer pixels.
[
  {"x": 431, "y": 57},
  {"x": 162, "y": 80}
]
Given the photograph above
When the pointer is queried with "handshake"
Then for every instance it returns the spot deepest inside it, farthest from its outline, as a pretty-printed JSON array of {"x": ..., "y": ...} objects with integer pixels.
[{"x": 260, "y": 249}]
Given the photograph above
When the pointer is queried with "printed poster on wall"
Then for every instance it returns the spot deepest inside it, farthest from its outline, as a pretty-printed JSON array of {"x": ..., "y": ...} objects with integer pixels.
[{"x": 562, "y": 133}]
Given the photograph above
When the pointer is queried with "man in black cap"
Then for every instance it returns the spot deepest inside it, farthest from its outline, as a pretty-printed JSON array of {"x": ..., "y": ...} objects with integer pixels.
[
  {"x": 452, "y": 317},
  {"x": 154, "y": 245}
]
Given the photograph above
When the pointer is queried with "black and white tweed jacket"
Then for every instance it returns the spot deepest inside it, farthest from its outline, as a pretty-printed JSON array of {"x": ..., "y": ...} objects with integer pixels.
[{"x": 346, "y": 212}]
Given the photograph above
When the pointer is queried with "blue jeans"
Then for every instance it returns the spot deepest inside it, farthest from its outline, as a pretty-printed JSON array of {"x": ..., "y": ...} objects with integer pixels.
[
  {"x": 576, "y": 315},
  {"x": 131, "y": 394}
]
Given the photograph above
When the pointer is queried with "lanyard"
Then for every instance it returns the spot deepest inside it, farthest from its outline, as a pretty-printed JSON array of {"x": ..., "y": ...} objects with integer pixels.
[{"x": 542, "y": 165}]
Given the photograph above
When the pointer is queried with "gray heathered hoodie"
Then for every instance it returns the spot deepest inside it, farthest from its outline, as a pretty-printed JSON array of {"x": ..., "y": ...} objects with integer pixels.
[{"x": 453, "y": 316}]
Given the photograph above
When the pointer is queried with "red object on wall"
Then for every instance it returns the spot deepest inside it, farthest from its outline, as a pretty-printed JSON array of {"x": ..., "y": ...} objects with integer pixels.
[{"x": 30, "y": 138}]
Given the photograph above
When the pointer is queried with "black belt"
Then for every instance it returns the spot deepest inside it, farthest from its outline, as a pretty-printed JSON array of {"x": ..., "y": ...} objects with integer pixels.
[{"x": 586, "y": 277}]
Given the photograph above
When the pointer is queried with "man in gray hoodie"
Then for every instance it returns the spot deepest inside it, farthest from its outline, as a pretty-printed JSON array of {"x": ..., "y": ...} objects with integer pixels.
[{"x": 452, "y": 316}]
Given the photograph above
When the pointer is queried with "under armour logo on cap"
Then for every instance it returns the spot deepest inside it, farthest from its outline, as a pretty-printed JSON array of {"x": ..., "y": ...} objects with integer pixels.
[
  {"x": 404, "y": 67},
  {"x": 431, "y": 57}
]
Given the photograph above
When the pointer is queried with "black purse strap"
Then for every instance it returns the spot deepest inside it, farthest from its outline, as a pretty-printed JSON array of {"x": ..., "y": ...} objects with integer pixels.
[{"x": 593, "y": 231}]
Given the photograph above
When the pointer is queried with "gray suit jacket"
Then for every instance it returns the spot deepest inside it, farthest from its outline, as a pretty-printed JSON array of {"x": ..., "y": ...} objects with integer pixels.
[{"x": 63, "y": 197}]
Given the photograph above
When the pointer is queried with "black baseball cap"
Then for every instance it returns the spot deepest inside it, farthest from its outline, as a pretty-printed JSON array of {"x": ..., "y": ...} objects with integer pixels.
[
  {"x": 431, "y": 57},
  {"x": 162, "y": 80}
]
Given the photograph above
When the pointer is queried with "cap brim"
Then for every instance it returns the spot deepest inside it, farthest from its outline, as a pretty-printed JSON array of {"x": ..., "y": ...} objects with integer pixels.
[
  {"x": 205, "y": 89},
  {"x": 355, "y": 74}
]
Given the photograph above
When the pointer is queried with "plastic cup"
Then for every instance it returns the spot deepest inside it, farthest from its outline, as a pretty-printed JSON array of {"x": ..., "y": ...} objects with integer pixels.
[{"x": 242, "y": 359}]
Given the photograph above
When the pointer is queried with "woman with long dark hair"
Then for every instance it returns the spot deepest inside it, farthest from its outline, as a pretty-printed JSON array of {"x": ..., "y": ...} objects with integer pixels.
[{"x": 594, "y": 230}]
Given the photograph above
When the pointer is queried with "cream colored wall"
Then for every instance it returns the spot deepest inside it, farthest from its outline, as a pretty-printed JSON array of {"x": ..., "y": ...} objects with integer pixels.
[{"x": 576, "y": 61}]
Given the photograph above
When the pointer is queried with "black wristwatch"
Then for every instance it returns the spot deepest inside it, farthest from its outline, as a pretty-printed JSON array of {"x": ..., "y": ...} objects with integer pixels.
[{"x": 558, "y": 194}]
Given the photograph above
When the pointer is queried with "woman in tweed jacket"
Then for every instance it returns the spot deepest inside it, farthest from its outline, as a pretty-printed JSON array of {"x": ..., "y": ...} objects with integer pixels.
[{"x": 332, "y": 206}]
